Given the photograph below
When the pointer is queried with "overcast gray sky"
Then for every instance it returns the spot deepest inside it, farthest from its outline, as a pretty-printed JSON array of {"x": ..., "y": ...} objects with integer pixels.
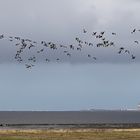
[{"x": 70, "y": 86}]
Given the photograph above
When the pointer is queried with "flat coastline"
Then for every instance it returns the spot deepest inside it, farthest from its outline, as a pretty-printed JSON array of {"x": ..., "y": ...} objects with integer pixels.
[
  {"x": 95, "y": 125},
  {"x": 70, "y": 126}
]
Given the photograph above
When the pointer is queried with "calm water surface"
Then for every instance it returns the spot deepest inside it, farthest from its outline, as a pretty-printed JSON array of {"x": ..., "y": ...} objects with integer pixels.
[{"x": 69, "y": 117}]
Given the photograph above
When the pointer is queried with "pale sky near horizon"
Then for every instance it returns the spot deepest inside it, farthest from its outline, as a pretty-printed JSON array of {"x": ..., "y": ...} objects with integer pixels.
[{"x": 110, "y": 83}]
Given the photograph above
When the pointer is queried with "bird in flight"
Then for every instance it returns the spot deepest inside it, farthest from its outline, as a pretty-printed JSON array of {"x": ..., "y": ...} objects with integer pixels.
[
  {"x": 133, "y": 57},
  {"x": 136, "y": 42},
  {"x": 29, "y": 66},
  {"x": 1, "y": 36},
  {"x": 114, "y": 33},
  {"x": 134, "y": 30},
  {"x": 84, "y": 31}
]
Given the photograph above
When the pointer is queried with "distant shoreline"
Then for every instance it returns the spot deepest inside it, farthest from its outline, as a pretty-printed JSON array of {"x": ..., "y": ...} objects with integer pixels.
[{"x": 71, "y": 126}]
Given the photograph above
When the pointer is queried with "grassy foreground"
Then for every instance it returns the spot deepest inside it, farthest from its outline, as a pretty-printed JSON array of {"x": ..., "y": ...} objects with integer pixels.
[{"x": 66, "y": 134}]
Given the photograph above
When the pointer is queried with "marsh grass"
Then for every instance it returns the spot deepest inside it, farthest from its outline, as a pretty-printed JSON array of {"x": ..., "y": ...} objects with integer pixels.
[{"x": 70, "y": 134}]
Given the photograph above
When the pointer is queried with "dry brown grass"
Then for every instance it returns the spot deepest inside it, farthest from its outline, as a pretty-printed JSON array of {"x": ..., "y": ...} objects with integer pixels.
[{"x": 71, "y": 134}]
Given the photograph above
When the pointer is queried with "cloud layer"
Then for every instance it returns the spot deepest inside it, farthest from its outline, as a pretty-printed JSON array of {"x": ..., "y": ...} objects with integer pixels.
[{"x": 61, "y": 21}]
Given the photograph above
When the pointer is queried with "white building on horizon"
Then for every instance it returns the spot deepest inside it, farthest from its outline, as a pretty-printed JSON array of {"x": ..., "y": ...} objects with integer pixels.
[{"x": 138, "y": 106}]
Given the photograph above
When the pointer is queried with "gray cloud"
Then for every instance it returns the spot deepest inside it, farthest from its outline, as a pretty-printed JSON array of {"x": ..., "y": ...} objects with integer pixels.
[{"x": 61, "y": 21}]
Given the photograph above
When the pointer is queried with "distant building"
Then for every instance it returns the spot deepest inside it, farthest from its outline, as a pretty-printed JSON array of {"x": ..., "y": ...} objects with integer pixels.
[{"x": 138, "y": 106}]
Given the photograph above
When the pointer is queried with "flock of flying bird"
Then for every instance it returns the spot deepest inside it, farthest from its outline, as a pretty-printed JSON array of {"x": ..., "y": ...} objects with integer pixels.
[{"x": 23, "y": 44}]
